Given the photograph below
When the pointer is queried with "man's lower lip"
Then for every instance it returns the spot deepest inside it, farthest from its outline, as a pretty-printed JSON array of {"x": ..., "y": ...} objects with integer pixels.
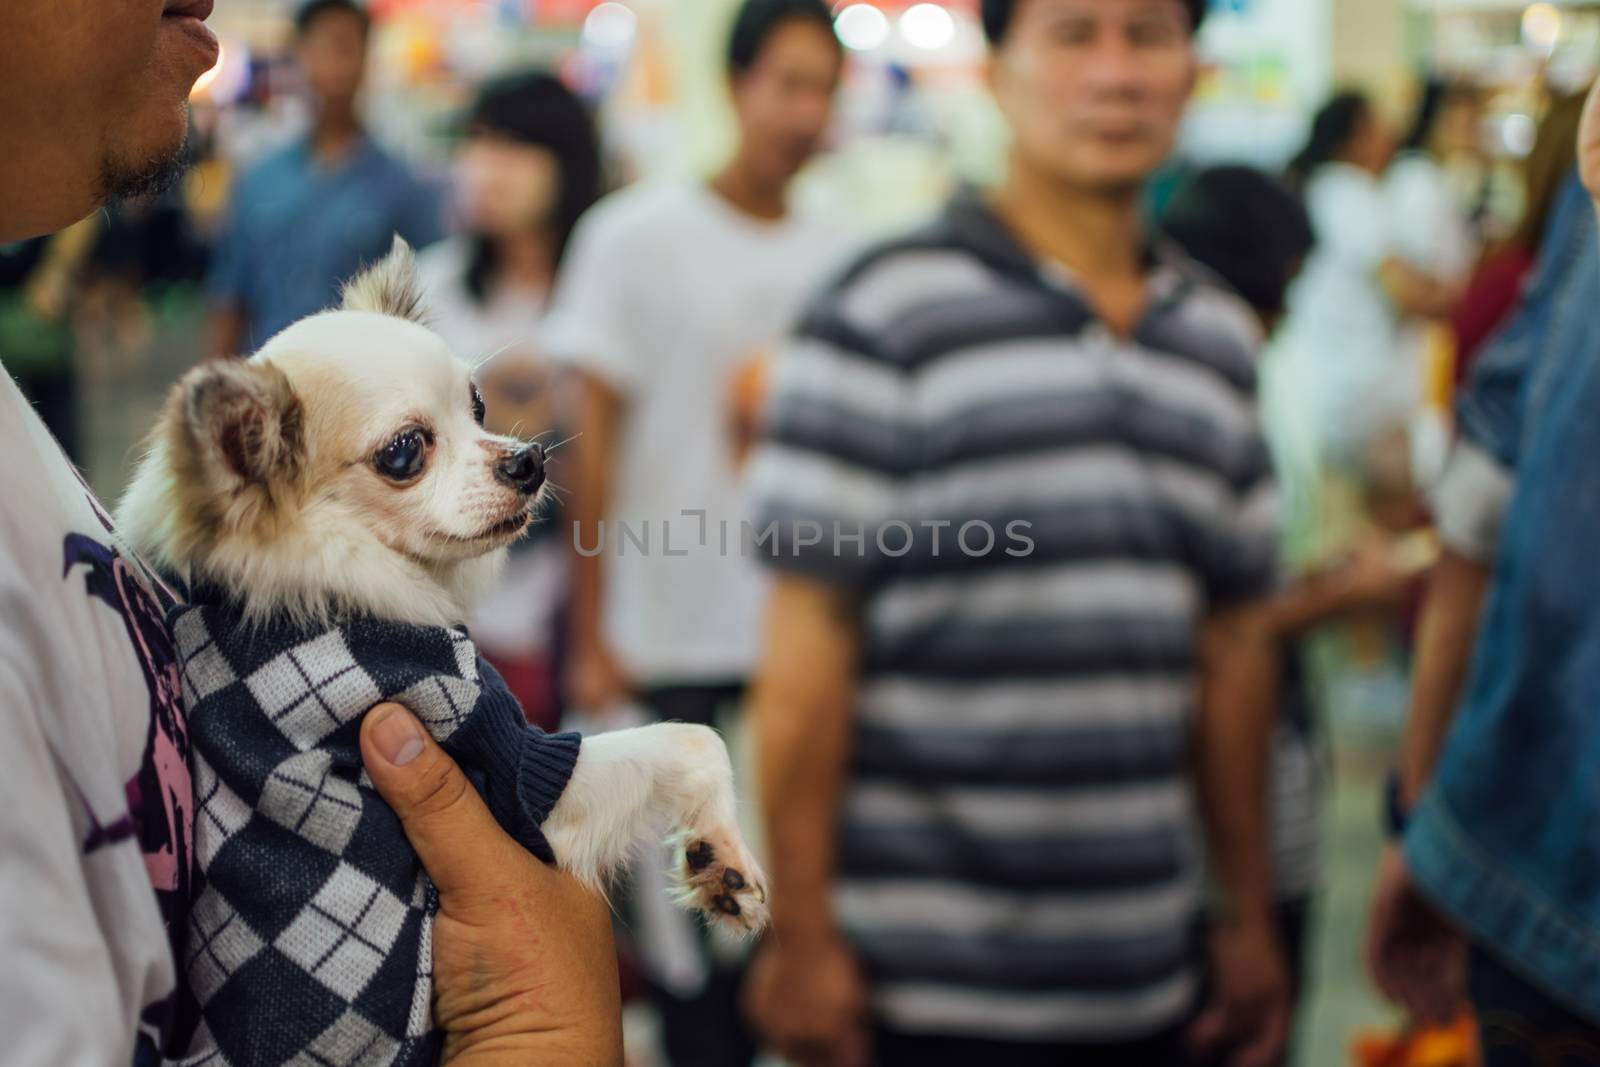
[{"x": 198, "y": 33}]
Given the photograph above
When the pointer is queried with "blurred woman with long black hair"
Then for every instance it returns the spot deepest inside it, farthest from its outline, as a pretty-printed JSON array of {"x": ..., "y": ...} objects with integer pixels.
[{"x": 528, "y": 168}]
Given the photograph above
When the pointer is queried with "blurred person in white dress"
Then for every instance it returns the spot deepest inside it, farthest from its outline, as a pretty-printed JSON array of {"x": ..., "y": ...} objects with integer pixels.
[
  {"x": 1434, "y": 233},
  {"x": 528, "y": 167},
  {"x": 1358, "y": 383},
  {"x": 1432, "y": 222}
]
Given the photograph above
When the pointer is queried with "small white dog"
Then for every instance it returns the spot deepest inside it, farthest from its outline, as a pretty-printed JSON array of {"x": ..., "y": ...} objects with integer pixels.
[{"x": 344, "y": 472}]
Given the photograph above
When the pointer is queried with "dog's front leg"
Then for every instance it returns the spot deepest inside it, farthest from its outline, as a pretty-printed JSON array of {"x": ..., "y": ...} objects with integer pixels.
[{"x": 632, "y": 788}]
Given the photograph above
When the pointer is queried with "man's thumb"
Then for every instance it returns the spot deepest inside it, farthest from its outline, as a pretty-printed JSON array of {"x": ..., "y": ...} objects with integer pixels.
[{"x": 444, "y": 817}]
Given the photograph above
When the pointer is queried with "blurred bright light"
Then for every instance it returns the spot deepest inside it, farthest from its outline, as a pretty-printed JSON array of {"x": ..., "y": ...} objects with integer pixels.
[
  {"x": 610, "y": 27},
  {"x": 228, "y": 79},
  {"x": 1541, "y": 26},
  {"x": 862, "y": 27},
  {"x": 928, "y": 27},
  {"x": 1517, "y": 134}
]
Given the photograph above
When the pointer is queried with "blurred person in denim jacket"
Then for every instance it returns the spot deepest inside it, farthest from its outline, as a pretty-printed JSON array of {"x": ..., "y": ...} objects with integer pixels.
[{"x": 1493, "y": 895}]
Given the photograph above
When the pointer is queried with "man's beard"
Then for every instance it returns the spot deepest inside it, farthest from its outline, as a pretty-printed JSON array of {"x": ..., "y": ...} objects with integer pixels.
[{"x": 133, "y": 179}]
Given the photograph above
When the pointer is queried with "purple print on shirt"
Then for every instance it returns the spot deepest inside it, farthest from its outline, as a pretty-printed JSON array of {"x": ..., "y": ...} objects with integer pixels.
[{"x": 160, "y": 795}]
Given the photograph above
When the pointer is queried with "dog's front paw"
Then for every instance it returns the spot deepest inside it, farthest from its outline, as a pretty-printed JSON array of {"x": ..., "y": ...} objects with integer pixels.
[{"x": 721, "y": 879}]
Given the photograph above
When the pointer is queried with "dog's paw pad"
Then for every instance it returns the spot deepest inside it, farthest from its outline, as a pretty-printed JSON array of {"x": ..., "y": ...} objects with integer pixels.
[
  {"x": 699, "y": 855},
  {"x": 723, "y": 880}
]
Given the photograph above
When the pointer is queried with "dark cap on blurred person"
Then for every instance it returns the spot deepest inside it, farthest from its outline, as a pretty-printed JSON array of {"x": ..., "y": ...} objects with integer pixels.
[
  {"x": 757, "y": 20},
  {"x": 1249, "y": 228},
  {"x": 997, "y": 16},
  {"x": 309, "y": 11}
]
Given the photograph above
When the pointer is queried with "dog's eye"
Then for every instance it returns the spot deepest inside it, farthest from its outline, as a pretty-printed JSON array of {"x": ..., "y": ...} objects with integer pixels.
[
  {"x": 402, "y": 458},
  {"x": 478, "y": 408}
]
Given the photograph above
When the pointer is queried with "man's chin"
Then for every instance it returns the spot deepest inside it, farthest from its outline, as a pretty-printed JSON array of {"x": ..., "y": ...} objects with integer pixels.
[
  {"x": 133, "y": 175},
  {"x": 1111, "y": 178}
]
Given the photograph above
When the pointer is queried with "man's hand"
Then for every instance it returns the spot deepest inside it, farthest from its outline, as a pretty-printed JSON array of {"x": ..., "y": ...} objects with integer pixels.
[
  {"x": 1250, "y": 1009},
  {"x": 1416, "y": 958},
  {"x": 807, "y": 1000},
  {"x": 524, "y": 968},
  {"x": 596, "y": 682},
  {"x": 805, "y": 993}
]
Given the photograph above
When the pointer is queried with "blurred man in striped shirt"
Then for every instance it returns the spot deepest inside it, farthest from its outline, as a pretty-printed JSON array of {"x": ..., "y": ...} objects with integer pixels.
[{"x": 1021, "y": 517}]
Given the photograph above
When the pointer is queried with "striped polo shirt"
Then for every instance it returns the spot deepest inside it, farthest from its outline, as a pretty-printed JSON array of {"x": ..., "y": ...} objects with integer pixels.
[{"x": 1036, "y": 514}]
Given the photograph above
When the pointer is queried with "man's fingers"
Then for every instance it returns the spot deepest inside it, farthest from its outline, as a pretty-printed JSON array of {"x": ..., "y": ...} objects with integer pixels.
[
  {"x": 820, "y": 1041},
  {"x": 1265, "y": 1047},
  {"x": 1383, "y": 968},
  {"x": 856, "y": 1049},
  {"x": 839, "y": 1050},
  {"x": 1207, "y": 1030},
  {"x": 446, "y": 821},
  {"x": 1437, "y": 1001}
]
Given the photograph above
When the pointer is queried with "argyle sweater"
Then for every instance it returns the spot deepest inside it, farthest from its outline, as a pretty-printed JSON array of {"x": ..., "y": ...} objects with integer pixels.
[{"x": 309, "y": 941}]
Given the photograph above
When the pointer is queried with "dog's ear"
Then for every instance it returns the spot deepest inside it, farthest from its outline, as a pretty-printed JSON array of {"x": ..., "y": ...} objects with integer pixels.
[
  {"x": 388, "y": 287},
  {"x": 242, "y": 424}
]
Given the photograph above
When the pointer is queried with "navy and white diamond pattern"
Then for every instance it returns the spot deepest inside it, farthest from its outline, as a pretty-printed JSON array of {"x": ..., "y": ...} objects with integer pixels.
[
  {"x": 313, "y": 915},
  {"x": 282, "y": 778},
  {"x": 220, "y": 943},
  {"x": 349, "y": 1041},
  {"x": 305, "y": 797},
  {"x": 442, "y": 704},
  {"x": 420, "y": 1019},
  {"x": 205, "y": 669},
  {"x": 466, "y": 654},
  {"x": 313, "y": 689},
  {"x": 222, "y": 813},
  {"x": 345, "y": 933}
]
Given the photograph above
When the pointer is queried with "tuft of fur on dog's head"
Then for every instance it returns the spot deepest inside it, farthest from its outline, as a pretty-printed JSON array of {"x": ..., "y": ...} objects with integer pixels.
[
  {"x": 343, "y": 469},
  {"x": 390, "y": 287}
]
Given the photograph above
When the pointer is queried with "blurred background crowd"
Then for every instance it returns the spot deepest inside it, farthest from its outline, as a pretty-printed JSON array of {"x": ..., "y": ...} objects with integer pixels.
[{"x": 1416, "y": 149}]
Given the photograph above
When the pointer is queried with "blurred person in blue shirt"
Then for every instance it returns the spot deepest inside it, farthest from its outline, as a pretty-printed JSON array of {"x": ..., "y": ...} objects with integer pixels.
[
  {"x": 308, "y": 216},
  {"x": 1493, "y": 895}
]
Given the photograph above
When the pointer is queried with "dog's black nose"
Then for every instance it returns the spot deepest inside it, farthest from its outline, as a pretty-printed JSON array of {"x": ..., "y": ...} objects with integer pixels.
[{"x": 523, "y": 470}]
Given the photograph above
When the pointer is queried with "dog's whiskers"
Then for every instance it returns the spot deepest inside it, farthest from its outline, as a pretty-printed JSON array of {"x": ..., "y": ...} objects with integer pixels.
[
  {"x": 564, "y": 441},
  {"x": 496, "y": 354},
  {"x": 558, "y": 494}
]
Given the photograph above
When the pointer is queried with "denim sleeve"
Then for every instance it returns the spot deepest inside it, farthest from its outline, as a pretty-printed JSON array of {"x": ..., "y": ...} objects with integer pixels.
[
  {"x": 1511, "y": 376},
  {"x": 1491, "y": 410}
]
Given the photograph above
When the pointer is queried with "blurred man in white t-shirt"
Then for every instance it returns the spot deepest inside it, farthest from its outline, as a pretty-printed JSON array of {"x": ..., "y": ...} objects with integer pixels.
[{"x": 670, "y": 293}]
